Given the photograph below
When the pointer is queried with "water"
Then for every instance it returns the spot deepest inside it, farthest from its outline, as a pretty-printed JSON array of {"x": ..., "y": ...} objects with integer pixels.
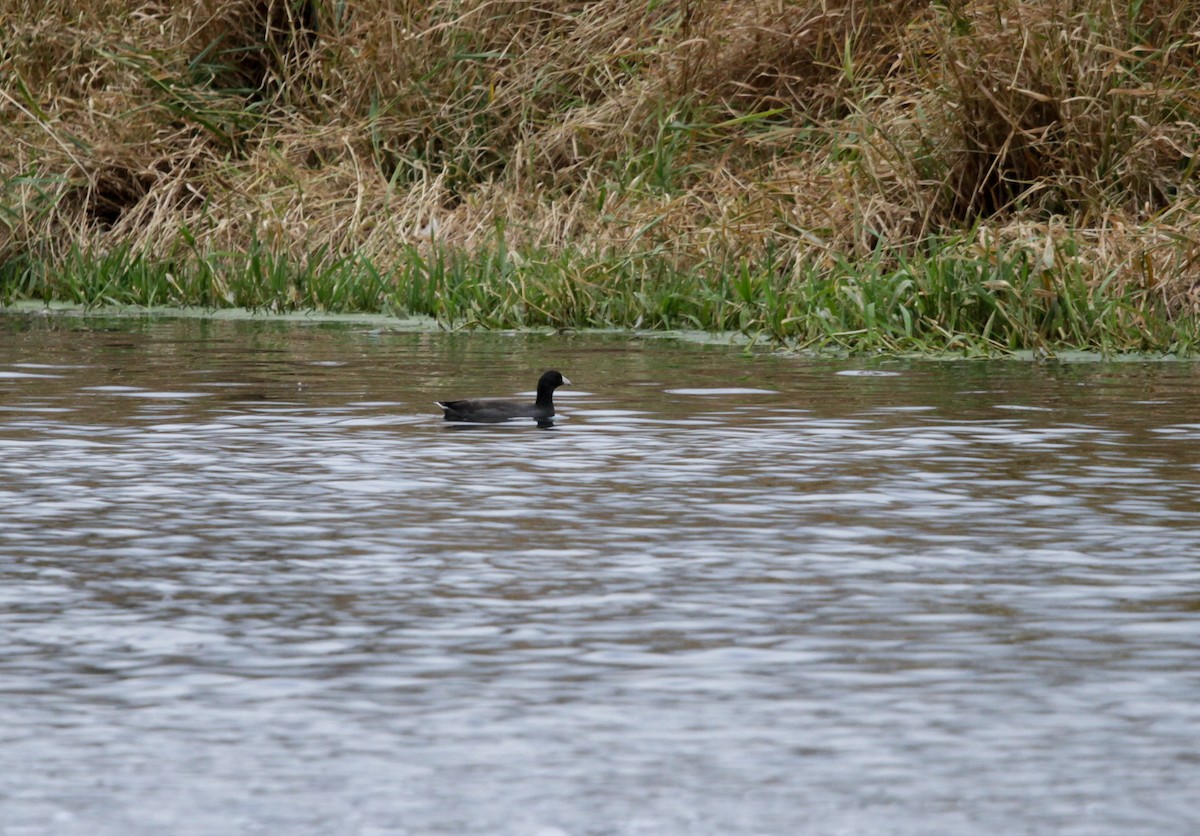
[{"x": 250, "y": 582}]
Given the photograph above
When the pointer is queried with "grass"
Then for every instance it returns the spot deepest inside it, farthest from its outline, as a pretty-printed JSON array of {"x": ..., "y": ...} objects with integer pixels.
[
  {"x": 949, "y": 298},
  {"x": 982, "y": 175}
]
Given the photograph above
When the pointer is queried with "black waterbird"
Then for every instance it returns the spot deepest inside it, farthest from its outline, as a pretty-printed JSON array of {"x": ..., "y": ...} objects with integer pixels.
[{"x": 496, "y": 411}]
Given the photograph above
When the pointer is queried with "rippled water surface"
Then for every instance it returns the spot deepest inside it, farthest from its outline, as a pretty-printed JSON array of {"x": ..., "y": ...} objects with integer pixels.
[{"x": 252, "y": 583}]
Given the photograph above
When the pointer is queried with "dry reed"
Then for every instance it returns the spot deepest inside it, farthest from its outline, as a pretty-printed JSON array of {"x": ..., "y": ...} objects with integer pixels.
[{"x": 693, "y": 133}]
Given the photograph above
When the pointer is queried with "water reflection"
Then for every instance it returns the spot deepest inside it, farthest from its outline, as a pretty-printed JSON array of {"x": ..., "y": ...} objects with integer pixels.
[{"x": 252, "y": 581}]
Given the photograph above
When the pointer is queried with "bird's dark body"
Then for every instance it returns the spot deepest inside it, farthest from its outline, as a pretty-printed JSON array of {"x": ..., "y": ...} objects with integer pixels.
[{"x": 493, "y": 412}]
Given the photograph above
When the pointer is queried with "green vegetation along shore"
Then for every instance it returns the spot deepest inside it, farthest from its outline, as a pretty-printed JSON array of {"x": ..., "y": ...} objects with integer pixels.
[{"x": 978, "y": 176}]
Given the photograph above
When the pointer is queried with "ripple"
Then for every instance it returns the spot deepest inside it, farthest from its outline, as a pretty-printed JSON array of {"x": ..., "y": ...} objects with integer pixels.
[
  {"x": 867, "y": 373},
  {"x": 10, "y": 375},
  {"x": 721, "y": 391}
]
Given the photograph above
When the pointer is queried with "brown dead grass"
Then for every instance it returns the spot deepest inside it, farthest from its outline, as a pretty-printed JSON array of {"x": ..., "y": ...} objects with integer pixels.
[{"x": 698, "y": 130}]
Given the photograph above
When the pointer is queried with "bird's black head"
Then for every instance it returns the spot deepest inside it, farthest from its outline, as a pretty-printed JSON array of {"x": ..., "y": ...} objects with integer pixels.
[{"x": 552, "y": 380}]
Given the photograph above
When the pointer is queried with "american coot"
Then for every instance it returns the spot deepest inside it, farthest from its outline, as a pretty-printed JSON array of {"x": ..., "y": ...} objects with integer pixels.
[{"x": 493, "y": 411}]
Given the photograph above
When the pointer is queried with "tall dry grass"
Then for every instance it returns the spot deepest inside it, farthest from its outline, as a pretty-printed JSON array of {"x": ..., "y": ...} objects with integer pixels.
[{"x": 695, "y": 132}]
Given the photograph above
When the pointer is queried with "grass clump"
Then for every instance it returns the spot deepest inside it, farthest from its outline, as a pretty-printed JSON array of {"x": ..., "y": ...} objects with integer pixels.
[{"x": 981, "y": 174}]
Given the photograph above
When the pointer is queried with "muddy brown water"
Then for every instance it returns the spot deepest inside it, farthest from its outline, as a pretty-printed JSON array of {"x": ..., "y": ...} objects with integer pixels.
[{"x": 250, "y": 582}]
